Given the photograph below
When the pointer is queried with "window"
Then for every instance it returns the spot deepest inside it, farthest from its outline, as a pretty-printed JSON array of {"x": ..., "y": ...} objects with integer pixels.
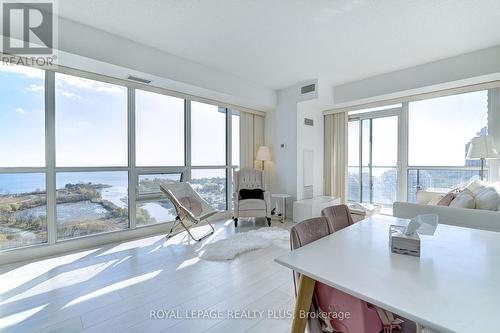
[
  {"x": 354, "y": 180},
  {"x": 152, "y": 207},
  {"x": 211, "y": 184},
  {"x": 91, "y": 123},
  {"x": 208, "y": 142},
  {"x": 160, "y": 129},
  {"x": 440, "y": 131},
  {"x": 436, "y": 135},
  {"x": 91, "y": 202},
  {"x": 23, "y": 200},
  {"x": 75, "y": 182},
  {"x": 378, "y": 144},
  {"x": 151, "y": 183},
  {"x": 208, "y": 134},
  {"x": 22, "y": 116},
  {"x": 235, "y": 143},
  {"x": 23, "y": 209}
]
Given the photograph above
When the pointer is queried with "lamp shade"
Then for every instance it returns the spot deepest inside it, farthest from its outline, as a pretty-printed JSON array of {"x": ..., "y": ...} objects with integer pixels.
[
  {"x": 482, "y": 147},
  {"x": 263, "y": 154}
]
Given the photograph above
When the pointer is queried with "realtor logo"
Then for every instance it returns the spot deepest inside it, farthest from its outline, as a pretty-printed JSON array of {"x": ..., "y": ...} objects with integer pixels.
[{"x": 28, "y": 29}]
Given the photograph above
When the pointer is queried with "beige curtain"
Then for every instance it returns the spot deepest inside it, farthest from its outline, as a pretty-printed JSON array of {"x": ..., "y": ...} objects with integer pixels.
[
  {"x": 251, "y": 137},
  {"x": 335, "y": 168}
]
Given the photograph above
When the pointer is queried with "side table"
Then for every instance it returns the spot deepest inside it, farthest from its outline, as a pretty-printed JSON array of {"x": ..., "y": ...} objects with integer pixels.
[{"x": 281, "y": 216}]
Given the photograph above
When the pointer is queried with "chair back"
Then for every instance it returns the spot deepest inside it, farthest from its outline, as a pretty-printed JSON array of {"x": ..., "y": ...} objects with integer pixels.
[
  {"x": 301, "y": 234},
  {"x": 184, "y": 197},
  {"x": 248, "y": 179},
  {"x": 363, "y": 319},
  {"x": 308, "y": 231},
  {"x": 339, "y": 217}
]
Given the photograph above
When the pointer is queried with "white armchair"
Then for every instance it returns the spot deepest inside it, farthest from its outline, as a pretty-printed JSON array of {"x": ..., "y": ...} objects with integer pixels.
[{"x": 250, "y": 203}]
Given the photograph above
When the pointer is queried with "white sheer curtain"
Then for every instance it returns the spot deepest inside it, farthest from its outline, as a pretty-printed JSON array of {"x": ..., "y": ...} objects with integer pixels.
[
  {"x": 335, "y": 168},
  {"x": 251, "y": 137}
]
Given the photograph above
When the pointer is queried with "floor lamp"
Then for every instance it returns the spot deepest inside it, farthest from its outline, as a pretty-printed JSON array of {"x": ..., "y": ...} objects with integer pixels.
[
  {"x": 482, "y": 148},
  {"x": 263, "y": 154}
]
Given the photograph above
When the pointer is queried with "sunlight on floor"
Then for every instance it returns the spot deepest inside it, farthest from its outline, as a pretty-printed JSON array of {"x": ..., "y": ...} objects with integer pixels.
[
  {"x": 131, "y": 245},
  {"x": 187, "y": 263},
  {"x": 14, "y": 319},
  {"x": 62, "y": 280},
  {"x": 114, "y": 287},
  {"x": 26, "y": 272}
]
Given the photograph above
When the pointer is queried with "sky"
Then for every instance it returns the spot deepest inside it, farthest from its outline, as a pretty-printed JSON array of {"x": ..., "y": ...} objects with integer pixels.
[{"x": 91, "y": 124}]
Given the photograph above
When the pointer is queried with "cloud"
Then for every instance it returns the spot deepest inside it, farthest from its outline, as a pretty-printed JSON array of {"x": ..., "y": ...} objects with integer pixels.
[
  {"x": 35, "y": 88},
  {"x": 32, "y": 73},
  {"x": 20, "y": 110},
  {"x": 82, "y": 83},
  {"x": 68, "y": 94}
]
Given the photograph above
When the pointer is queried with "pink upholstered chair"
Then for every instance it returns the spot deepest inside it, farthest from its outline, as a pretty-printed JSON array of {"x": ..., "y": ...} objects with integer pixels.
[{"x": 363, "y": 318}]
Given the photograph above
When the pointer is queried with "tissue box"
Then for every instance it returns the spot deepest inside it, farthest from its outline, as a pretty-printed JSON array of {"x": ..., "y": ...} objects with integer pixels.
[{"x": 403, "y": 244}]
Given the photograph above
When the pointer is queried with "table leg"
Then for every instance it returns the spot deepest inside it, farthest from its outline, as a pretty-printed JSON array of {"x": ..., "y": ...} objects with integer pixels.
[{"x": 302, "y": 303}]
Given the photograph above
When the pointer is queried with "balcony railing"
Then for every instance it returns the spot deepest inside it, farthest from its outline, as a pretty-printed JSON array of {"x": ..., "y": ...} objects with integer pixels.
[{"x": 442, "y": 178}]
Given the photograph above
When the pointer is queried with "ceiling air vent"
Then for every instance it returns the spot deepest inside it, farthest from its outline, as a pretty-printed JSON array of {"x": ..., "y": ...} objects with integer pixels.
[
  {"x": 308, "y": 122},
  {"x": 308, "y": 89},
  {"x": 138, "y": 79}
]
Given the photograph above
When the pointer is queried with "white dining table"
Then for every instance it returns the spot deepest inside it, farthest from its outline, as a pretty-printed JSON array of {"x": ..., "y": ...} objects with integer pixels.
[{"x": 454, "y": 286}]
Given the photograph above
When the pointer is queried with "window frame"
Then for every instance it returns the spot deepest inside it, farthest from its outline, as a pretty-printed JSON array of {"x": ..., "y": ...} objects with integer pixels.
[
  {"x": 369, "y": 116},
  {"x": 50, "y": 170},
  {"x": 403, "y": 167}
]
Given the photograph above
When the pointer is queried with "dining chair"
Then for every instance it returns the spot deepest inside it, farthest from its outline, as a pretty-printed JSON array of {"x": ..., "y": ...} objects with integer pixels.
[
  {"x": 331, "y": 303},
  {"x": 301, "y": 234},
  {"x": 339, "y": 217}
]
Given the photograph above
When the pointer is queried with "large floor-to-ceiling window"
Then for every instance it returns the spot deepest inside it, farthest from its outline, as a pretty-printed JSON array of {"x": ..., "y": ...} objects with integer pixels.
[
  {"x": 373, "y": 156},
  {"x": 83, "y": 154},
  {"x": 23, "y": 192},
  {"x": 396, "y": 150},
  {"x": 439, "y": 134}
]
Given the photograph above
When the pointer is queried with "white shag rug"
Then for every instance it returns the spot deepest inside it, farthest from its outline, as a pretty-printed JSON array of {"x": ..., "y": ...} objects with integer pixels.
[{"x": 229, "y": 248}]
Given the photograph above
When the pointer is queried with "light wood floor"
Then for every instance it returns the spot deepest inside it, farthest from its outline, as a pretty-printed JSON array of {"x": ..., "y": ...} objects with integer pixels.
[{"x": 115, "y": 287}]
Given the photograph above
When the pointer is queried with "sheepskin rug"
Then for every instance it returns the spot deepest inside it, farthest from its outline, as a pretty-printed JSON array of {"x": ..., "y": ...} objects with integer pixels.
[{"x": 229, "y": 248}]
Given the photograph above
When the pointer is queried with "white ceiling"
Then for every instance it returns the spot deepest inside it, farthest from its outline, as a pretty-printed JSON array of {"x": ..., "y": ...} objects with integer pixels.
[{"x": 278, "y": 43}]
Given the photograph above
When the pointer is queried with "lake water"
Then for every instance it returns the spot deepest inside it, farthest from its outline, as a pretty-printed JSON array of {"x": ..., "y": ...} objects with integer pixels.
[
  {"x": 29, "y": 182},
  {"x": 71, "y": 211},
  {"x": 81, "y": 211}
]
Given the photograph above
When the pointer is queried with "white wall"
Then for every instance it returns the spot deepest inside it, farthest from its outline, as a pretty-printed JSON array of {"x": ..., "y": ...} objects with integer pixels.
[
  {"x": 285, "y": 133},
  {"x": 310, "y": 138},
  {"x": 115, "y": 56},
  {"x": 481, "y": 63},
  {"x": 286, "y": 126}
]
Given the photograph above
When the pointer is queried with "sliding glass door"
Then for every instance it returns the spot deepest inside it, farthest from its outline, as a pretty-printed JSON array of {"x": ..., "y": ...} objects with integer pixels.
[
  {"x": 373, "y": 158},
  {"x": 396, "y": 150}
]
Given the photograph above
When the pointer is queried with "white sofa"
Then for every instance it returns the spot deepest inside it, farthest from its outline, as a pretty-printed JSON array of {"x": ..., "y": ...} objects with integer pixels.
[{"x": 463, "y": 217}]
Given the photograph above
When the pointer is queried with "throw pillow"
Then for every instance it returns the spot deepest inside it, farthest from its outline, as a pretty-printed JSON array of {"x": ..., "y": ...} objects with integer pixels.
[
  {"x": 464, "y": 199},
  {"x": 448, "y": 198},
  {"x": 487, "y": 199},
  {"x": 251, "y": 194},
  {"x": 475, "y": 185}
]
